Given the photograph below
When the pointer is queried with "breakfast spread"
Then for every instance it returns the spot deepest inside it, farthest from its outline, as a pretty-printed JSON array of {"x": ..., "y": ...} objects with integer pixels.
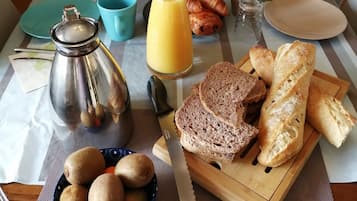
[
  {"x": 243, "y": 177},
  {"x": 250, "y": 124},
  {"x": 212, "y": 120},
  {"x": 205, "y": 15},
  {"x": 324, "y": 112},
  {"x": 90, "y": 179}
]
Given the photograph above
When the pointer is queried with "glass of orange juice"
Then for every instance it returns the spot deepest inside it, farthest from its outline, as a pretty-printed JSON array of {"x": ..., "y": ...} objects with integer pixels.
[{"x": 169, "y": 39}]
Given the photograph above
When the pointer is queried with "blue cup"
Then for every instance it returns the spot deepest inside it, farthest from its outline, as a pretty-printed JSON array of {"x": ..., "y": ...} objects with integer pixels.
[{"x": 118, "y": 17}]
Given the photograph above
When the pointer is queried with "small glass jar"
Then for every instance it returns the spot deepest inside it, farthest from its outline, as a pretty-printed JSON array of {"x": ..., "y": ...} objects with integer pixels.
[{"x": 249, "y": 19}]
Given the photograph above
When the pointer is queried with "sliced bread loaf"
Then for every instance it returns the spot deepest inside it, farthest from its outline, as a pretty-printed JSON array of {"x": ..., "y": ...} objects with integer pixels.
[
  {"x": 204, "y": 134},
  {"x": 223, "y": 91}
]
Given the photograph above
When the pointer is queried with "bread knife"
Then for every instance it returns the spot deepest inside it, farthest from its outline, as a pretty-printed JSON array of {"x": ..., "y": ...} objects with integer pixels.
[
  {"x": 3, "y": 196},
  {"x": 165, "y": 114}
]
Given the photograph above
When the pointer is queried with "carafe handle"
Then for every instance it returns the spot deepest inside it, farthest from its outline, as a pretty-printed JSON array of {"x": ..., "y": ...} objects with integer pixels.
[{"x": 70, "y": 12}]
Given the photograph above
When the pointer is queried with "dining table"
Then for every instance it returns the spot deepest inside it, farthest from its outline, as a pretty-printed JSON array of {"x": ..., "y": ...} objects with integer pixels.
[{"x": 45, "y": 148}]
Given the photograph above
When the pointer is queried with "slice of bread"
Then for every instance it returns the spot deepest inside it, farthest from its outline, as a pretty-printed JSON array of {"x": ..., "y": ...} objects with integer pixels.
[
  {"x": 208, "y": 155},
  {"x": 204, "y": 134},
  {"x": 257, "y": 93},
  {"x": 223, "y": 91}
]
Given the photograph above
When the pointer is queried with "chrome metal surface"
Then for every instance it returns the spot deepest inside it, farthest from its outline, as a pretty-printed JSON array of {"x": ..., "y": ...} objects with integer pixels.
[
  {"x": 3, "y": 196},
  {"x": 165, "y": 113},
  {"x": 75, "y": 35},
  {"x": 177, "y": 157},
  {"x": 73, "y": 29},
  {"x": 87, "y": 87}
]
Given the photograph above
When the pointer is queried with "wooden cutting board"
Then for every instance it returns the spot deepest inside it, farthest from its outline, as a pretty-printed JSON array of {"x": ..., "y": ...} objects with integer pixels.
[{"x": 245, "y": 178}]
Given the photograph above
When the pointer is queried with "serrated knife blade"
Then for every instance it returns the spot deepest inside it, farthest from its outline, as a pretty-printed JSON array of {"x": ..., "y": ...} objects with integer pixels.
[
  {"x": 165, "y": 114},
  {"x": 3, "y": 196}
]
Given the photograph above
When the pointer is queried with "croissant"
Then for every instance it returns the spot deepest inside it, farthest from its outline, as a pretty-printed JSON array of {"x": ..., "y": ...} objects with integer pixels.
[
  {"x": 205, "y": 23},
  {"x": 194, "y": 6},
  {"x": 218, "y": 6}
]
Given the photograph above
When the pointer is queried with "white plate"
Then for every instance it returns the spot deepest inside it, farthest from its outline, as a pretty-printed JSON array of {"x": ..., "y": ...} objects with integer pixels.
[{"x": 305, "y": 19}]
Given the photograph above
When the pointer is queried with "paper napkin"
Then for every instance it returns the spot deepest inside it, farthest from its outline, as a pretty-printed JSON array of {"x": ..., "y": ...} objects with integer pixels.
[{"x": 32, "y": 69}]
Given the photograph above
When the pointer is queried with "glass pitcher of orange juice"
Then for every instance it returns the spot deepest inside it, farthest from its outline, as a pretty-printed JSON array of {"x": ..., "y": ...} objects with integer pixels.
[{"x": 169, "y": 39}]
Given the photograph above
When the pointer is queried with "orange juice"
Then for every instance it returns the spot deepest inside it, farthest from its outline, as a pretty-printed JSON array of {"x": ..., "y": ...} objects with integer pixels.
[{"x": 169, "y": 39}]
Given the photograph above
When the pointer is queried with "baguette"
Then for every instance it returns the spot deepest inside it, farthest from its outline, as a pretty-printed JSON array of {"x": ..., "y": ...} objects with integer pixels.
[
  {"x": 282, "y": 119},
  {"x": 325, "y": 113}
]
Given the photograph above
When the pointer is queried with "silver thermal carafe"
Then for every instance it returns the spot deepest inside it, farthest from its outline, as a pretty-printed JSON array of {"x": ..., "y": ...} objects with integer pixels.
[{"x": 87, "y": 88}]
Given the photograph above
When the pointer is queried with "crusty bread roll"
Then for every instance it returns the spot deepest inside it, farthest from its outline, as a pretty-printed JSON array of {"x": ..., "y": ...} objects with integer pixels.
[
  {"x": 325, "y": 113},
  {"x": 262, "y": 60},
  {"x": 282, "y": 120}
]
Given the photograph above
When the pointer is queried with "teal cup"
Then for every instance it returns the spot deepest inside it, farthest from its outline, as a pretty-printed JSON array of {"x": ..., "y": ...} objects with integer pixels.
[{"x": 118, "y": 17}]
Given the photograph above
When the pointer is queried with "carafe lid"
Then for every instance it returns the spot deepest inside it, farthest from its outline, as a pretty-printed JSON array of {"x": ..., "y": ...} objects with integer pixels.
[{"x": 74, "y": 29}]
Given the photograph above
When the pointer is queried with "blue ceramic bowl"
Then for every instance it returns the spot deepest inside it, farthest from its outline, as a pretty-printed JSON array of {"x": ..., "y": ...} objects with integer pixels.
[{"x": 111, "y": 156}]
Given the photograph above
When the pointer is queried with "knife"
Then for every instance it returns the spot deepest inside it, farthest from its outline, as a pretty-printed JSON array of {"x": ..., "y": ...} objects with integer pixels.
[
  {"x": 34, "y": 50},
  {"x": 165, "y": 114},
  {"x": 3, "y": 196}
]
